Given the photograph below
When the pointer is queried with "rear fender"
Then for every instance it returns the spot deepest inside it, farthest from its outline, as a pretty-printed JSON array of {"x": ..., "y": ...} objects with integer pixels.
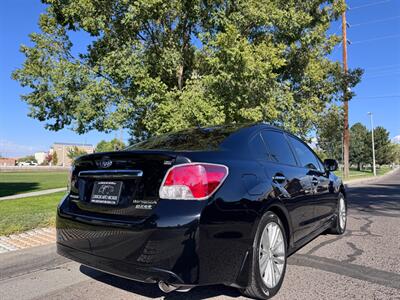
[{"x": 276, "y": 206}]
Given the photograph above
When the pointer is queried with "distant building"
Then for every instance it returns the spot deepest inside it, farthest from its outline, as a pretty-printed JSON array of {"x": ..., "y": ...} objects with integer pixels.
[
  {"x": 40, "y": 157},
  {"x": 7, "y": 162},
  {"x": 62, "y": 152}
]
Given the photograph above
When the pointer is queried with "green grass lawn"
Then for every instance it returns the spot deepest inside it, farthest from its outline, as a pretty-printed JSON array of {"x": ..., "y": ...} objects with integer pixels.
[
  {"x": 28, "y": 213},
  {"x": 12, "y": 183},
  {"x": 354, "y": 174}
]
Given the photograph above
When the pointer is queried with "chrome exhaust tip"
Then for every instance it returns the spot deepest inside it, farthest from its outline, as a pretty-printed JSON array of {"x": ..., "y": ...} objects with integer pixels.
[
  {"x": 166, "y": 288},
  {"x": 184, "y": 289}
]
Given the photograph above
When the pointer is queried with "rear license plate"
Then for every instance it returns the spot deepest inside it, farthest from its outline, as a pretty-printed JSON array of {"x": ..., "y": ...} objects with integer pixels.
[{"x": 106, "y": 192}]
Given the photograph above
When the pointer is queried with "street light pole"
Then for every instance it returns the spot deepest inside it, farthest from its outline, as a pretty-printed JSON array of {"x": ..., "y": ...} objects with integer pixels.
[{"x": 373, "y": 144}]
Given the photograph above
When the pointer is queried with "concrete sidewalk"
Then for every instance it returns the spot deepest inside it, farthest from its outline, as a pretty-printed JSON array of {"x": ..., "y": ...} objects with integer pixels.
[{"x": 31, "y": 194}]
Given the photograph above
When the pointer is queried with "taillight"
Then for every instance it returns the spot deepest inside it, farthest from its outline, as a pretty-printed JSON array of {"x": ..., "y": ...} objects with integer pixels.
[{"x": 192, "y": 181}]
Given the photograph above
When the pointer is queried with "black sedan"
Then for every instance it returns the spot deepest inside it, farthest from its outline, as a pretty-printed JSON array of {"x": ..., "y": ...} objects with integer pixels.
[{"x": 221, "y": 205}]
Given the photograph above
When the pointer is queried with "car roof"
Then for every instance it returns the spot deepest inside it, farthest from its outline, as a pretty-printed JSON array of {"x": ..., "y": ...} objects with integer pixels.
[
  {"x": 211, "y": 138},
  {"x": 235, "y": 140}
]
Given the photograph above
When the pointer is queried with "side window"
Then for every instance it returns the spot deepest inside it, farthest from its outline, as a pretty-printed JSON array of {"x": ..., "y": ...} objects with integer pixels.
[
  {"x": 306, "y": 157},
  {"x": 258, "y": 148},
  {"x": 278, "y": 147}
]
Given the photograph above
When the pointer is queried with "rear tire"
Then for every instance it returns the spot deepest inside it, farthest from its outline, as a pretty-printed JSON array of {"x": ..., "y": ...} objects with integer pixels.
[
  {"x": 269, "y": 258},
  {"x": 339, "y": 225}
]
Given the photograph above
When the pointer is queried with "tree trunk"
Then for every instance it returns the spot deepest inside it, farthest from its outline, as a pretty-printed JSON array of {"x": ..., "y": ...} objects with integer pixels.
[{"x": 180, "y": 77}]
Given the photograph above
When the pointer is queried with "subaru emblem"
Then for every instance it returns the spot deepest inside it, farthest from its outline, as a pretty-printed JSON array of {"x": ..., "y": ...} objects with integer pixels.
[{"x": 104, "y": 163}]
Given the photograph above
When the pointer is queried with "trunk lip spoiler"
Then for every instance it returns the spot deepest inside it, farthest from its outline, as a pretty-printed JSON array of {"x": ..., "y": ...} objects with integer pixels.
[{"x": 110, "y": 173}]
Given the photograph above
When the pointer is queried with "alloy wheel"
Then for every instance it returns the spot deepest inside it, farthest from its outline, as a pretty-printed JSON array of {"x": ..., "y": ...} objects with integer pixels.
[
  {"x": 342, "y": 213},
  {"x": 271, "y": 254}
]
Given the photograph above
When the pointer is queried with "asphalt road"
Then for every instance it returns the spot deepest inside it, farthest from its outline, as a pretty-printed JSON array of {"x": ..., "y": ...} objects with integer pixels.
[{"x": 364, "y": 263}]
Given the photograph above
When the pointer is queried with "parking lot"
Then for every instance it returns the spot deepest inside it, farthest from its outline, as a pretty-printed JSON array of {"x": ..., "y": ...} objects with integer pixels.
[{"x": 362, "y": 264}]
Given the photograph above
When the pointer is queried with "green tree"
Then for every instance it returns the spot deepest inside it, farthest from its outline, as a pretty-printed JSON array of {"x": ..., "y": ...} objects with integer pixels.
[
  {"x": 28, "y": 158},
  {"x": 359, "y": 150},
  {"x": 396, "y": 153},
  {"x": 54, "y": 159},
  {"x": 154, "y": 66},
  {"x": 75, "y": 152},
  {"x": 113, "y": 145},
  {"x": 384, "y": 151},
  {"x": 329, "y": 132}
]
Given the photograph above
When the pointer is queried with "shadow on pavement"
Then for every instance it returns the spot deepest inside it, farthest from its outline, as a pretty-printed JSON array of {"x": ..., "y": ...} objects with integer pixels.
[
  {"x": 152, "y": 291},
  {"x": 376, "y": 199}
]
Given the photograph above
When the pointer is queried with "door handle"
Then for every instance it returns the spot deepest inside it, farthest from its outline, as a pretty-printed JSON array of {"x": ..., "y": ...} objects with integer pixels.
[{"x": 279, "y": 178}]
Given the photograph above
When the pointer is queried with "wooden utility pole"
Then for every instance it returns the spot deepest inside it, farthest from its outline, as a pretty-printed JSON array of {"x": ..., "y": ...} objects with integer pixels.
[
  {"x": 121, "y": 136},
  {"x": 346, "y": 135},
  {"x": 115, "y": 139}
]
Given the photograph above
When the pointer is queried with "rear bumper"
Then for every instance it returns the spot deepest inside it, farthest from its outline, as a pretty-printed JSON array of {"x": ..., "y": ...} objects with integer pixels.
[
  {"x": 182, "y": 242},
  {"x": 119, "y": 268}
]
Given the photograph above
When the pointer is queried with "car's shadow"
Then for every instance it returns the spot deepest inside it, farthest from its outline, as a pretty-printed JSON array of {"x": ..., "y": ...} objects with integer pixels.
[{"x": 152, "y": 290}]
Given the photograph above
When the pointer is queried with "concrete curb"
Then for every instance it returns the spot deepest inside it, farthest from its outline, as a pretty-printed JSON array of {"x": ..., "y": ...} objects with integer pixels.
[
  {"x": 31, "y": 194},
  {"x": 370, "y": 179}
]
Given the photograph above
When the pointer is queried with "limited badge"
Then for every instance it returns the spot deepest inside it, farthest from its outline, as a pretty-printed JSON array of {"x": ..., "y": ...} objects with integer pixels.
[{"x": 144, "y": 204}]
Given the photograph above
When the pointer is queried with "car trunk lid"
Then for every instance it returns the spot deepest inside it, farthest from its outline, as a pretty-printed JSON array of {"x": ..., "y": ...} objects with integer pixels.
[{"x": 119, "y": 185}]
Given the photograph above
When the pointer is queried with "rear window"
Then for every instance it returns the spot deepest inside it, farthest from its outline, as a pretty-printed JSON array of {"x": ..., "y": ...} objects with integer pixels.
[
  {"x": 200, "y": 139},
  {"x": 279, "y": 148},
  {"x": 258, "y": 148}
]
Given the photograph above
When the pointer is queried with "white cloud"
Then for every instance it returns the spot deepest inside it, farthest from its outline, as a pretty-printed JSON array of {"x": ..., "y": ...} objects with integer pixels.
[
  {"x": 12, "y": 149},
  {"x": 396, "y": 139}
]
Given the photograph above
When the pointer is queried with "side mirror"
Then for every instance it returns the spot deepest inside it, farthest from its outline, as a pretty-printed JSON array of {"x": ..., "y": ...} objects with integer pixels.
[{"x": 331, "y": 164}]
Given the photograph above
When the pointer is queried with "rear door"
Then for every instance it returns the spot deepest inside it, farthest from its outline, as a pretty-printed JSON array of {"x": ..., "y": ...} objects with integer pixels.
[
  {"x": 321, "y": 196},
  {"x": 290, "y": 180}
]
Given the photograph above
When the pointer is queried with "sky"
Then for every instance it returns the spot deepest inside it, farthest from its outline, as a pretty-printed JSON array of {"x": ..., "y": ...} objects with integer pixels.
[{"x": 373, "y": 34}]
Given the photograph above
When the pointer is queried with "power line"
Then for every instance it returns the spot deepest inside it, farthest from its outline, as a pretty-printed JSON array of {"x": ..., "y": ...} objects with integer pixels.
[
  {"x": 369, "y": 4},
  {"x": 383, "y": 72},
  {"x": 375, "y": 21},
  {"x": 377, "y": 72},
  {"x": 382, "y": 75},
  {"x": 376, "y": 39},
  {"x": 378, "y": 97},
  {"x": 383, "y": 67},
  {"x": 339, "y": 28},
  {"x": 395, "y": 77}
]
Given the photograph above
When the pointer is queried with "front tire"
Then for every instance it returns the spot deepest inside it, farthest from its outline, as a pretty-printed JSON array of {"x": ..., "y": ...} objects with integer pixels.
[
  {"x": 269, "y": 258},
  {"x": 339, "y": 225}
]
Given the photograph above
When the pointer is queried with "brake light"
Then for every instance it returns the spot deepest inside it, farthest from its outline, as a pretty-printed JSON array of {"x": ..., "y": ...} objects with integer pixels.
[{"x": 192, "y": 181}]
